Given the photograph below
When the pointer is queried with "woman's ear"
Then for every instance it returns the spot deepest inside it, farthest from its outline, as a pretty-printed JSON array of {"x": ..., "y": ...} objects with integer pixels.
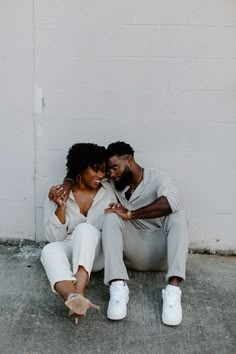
[{"x": 78, "y": 178}]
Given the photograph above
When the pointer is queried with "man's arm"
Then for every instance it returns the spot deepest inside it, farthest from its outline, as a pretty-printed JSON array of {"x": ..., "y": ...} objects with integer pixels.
[
  {"x": 160, "y": 207},
  {"x": 64, "y": 188}
]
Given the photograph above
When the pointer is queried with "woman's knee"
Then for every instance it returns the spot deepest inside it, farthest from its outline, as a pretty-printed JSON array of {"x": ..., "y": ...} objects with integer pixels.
[
  {"x": 112, "y": 220},
  {"x": 85, "y": 228},
  {"x": 47, "y": 251},
  {"x": 86, "y": 232}
]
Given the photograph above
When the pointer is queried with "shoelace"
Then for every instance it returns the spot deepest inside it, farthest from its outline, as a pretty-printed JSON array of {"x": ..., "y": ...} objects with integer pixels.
[
  {"x": 171, "y": 300},
  {"x": 117, "y": 293}
]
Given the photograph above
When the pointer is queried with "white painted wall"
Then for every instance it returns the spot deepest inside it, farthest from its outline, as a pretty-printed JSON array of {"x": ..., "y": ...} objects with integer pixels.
[
  {"x": 159, "y": 74},
  {"x": 17, "y": 151}
]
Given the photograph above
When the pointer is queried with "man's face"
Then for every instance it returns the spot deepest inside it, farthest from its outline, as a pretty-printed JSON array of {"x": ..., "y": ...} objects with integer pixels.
[{"x": 119, "y": 171}]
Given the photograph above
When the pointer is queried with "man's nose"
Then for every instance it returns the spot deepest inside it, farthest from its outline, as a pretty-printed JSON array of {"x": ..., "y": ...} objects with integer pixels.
[{"x": 112, "y": 174}]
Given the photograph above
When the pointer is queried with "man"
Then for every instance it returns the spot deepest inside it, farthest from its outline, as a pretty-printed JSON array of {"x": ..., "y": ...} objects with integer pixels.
[
  {"x": 142, "y": 231},
  {"x": 145, "y": 230}
]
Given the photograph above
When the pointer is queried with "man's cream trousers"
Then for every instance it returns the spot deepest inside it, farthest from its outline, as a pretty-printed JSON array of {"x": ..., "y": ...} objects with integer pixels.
[{"x": 129, "y": 244}]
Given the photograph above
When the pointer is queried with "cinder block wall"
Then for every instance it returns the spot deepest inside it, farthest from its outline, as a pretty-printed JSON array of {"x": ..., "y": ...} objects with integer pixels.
[{"x": 160, "y": 75}]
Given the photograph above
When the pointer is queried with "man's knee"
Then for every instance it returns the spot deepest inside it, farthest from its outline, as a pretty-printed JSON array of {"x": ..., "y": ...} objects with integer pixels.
[
  {"x": 112, "y": 229},
  {"x": 177, "y": 219}
]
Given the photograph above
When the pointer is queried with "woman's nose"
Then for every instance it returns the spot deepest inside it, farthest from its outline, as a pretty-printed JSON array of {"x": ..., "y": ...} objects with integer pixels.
[{"x": 100, "y": 174}]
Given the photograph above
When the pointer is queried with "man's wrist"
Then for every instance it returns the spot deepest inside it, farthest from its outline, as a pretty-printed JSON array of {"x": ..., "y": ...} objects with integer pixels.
[
  {"x": 68, "y": 181},
  {"x": 129, "y": 215}
]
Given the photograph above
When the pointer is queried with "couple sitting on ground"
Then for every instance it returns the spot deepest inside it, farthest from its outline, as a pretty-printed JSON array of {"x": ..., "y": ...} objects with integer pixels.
[{"x": 133, "y": 220}]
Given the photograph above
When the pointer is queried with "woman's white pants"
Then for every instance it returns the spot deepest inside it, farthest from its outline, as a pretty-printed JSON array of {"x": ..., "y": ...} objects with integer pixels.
[{"x": 83, "y": 247}]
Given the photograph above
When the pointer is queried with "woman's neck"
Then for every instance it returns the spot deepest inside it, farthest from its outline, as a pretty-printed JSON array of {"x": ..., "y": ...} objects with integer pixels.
[{"x": 84, "y": 197}]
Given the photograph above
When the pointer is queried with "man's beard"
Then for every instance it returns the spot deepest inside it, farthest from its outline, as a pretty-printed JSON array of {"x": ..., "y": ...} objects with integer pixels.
[{"x": 124, "y": 179}]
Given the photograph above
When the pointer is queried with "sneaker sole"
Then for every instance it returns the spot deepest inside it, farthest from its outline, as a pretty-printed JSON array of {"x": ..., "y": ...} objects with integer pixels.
[
  {"x": 114, "y": 318},
  {"x": 173, "y": 324}
]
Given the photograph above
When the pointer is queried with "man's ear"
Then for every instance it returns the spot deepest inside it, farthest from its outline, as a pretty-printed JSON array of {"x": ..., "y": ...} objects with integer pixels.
[{"x": 130, "y": 160}]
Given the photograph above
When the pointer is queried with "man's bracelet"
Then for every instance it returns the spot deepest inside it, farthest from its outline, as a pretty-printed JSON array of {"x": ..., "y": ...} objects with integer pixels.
[
  {"x": 69, "y": 179},
  {"x": 129, "y": 214}
]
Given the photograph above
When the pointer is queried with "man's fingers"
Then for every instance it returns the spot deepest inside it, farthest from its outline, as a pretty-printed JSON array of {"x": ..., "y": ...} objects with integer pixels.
[
  {"x": 107, "y": 210},
  {"x": 110, "y": 210},
  {"x": 114, "y": 205}
]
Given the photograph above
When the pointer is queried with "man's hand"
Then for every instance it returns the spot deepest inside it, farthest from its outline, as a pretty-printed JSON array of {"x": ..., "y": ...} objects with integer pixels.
[
  {"x": 157, "y": 209},
  {"x": 118, "y": 209},
  {"x": 61, "y": 191}
]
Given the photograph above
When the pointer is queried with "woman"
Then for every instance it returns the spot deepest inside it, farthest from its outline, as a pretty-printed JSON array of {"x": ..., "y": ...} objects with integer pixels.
[{"x": 73, "y": 227}]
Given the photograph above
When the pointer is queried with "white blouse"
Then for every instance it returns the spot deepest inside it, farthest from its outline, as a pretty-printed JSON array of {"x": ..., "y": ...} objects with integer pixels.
[{"x": 56, "y": 231}]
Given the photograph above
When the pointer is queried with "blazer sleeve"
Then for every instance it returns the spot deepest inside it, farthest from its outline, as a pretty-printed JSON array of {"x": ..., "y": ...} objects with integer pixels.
[{"x": 54, "y": 230}]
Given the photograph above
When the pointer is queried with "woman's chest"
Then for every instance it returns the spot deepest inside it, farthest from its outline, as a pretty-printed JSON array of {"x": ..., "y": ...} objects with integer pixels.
[{"x": 84, "y": 203}]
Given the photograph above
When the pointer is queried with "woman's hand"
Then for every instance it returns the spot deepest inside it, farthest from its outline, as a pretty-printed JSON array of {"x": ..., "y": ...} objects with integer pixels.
[
  {"x": 59, "y": 196},
  {"x": 118, "y": 209},
  {"x": 61, "y": 191}
]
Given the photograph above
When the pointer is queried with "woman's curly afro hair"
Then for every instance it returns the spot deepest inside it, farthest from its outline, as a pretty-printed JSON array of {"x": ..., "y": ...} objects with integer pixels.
[{"x": 83, "y": 155}]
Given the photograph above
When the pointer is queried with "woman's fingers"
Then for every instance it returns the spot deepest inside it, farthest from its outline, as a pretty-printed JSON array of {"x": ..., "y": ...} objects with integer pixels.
[
  {"x": 53, "y": 190},
  {"x": 57, "y": 192}
]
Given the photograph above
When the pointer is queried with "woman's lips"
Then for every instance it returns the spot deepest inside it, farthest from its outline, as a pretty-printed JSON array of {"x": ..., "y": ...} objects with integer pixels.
[{"x": 97, "y": 180}]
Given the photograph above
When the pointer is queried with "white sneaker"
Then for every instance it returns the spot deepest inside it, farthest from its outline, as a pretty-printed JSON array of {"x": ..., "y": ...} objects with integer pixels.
[
  {"x": 172, "y": 310},
  {"x": 119, "y": 297}
]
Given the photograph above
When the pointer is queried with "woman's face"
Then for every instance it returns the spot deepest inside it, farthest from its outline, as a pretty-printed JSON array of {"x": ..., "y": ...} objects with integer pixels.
[{"x": 92, "y": 177}]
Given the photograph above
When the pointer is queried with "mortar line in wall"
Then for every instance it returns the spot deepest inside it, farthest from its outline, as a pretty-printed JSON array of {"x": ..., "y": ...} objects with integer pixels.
[{"x": 33, "y": 117}]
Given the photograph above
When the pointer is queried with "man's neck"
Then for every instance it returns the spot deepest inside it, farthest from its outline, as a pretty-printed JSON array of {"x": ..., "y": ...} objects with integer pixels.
[{"x": 137, "y": 176}]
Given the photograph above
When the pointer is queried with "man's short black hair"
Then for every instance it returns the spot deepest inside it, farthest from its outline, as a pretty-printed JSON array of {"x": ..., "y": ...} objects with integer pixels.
[
  {"x": 83, "y": 155},
  {"x": 119, "y": 148}
]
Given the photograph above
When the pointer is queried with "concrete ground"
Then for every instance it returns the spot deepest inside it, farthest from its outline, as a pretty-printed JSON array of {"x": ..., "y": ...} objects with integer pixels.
[{"x": 34, "y": 320}]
